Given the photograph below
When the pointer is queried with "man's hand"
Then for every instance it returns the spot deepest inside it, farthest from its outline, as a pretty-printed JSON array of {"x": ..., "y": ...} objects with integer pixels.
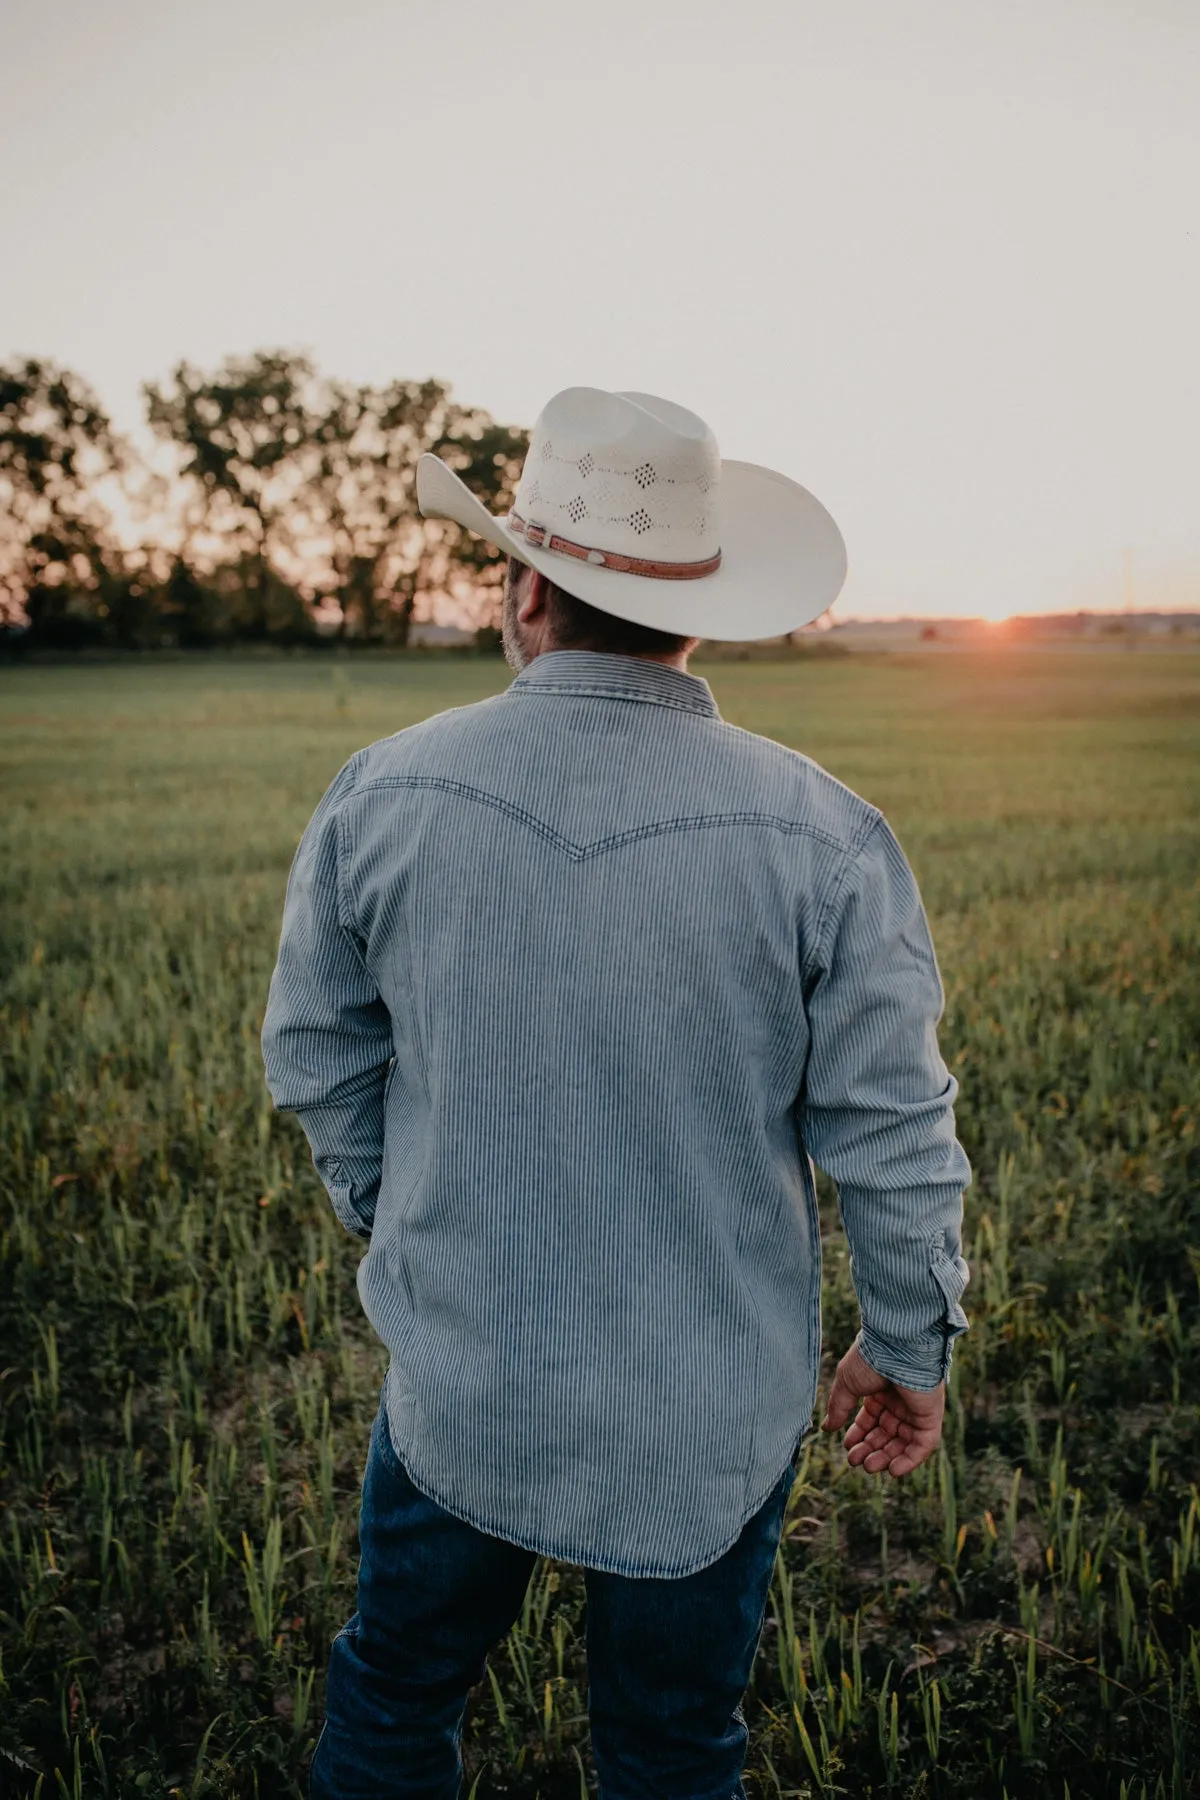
[{"x": 895, "y": 1429}]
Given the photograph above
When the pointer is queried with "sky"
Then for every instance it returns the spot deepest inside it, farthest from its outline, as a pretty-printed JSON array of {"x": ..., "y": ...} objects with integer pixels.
[{"x": 938, "y": 260}]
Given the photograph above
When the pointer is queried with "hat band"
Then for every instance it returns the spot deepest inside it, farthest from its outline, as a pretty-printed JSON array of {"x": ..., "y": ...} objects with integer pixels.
[{"x": 539, "y": 538}]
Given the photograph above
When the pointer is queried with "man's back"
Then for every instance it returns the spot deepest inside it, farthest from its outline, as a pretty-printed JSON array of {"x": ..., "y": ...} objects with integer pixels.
[{"x": 571, "y": 984}]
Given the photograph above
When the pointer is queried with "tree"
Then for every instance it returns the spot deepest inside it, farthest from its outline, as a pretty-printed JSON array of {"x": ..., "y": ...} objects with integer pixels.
[
  {"x": 193, "y": 610},
  {"x": 312, "y": 483},
  {"x": 380, "y": 555},
  {"x": 288, "y": 490},
  {"x": 57, "y": 547},
  {"x": 488, "y": 457},
  {"x": 244, "y": 435}
]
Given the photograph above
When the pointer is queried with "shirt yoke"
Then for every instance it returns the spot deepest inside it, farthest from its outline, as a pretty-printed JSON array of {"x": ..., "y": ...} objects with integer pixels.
[{"x": 734, "y": 773}]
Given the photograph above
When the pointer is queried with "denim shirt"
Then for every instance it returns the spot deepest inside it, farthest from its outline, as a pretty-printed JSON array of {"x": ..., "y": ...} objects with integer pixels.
[{"x": 572, "y": 984}]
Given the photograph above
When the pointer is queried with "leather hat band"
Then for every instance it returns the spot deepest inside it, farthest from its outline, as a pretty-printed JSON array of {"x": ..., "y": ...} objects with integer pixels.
[{"x": 539, "y": 538}]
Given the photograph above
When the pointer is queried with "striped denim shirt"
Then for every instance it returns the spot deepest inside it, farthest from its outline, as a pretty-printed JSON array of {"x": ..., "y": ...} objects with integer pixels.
[{"x": 572, "y": 983}]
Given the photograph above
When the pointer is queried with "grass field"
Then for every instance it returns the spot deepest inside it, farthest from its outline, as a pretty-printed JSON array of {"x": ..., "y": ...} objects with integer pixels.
[{"x": 186, "y": 1383}]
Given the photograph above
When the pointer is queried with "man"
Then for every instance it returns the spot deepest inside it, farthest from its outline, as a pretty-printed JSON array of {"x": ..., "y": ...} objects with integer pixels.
[{"x": 571, "y": 984}]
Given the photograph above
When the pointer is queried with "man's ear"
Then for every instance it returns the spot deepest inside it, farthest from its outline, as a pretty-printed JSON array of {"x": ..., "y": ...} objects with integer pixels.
[{"x": 533, "y": 595}]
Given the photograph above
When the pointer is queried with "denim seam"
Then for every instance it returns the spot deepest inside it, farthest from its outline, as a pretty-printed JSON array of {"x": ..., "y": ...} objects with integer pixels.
[
  {"x": 404, "y": 986},
  {"x": 581, "y": 852},
  {"x": 345, "y": 916},
  {"x": 467, "y": 792},
  {"x": 839, "y": 882}
]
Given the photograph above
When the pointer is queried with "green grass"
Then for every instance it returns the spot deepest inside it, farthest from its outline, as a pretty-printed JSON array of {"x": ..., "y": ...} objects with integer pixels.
[{"x": 186, "y": 1382}]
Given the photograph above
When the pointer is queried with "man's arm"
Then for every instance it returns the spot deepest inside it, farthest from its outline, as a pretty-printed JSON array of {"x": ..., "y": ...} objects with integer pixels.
[
  {"x": 877, "y": 1114},
  {"x": 327, "y": 1035}
]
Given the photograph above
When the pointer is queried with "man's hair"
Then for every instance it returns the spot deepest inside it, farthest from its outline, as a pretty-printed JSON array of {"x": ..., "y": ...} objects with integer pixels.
[{"x": 574, "y": 625}]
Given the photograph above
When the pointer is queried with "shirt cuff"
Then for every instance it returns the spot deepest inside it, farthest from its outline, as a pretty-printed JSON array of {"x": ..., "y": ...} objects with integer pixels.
[
  {"x": 921, "y": 1366},
  {"x": 341, "y": 1196},
  {"x": 352, "y": 1182}
]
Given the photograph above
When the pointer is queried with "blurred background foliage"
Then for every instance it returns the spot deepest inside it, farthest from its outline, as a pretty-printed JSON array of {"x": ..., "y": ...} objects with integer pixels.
[{"x": 272, "y": 504}]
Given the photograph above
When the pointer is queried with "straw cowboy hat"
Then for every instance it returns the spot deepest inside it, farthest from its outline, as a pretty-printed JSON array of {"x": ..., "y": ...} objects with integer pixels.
[{"x": 625, "y": 502}]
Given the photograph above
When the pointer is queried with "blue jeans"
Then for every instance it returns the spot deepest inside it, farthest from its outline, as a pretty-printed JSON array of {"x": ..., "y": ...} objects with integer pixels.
[{"x": 668, "y": 1660}]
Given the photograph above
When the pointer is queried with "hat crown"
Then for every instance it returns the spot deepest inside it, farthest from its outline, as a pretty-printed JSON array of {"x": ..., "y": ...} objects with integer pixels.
[{"x": 625, "y": 472}]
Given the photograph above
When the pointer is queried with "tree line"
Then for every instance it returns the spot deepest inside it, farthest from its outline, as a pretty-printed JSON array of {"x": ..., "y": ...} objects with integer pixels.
[{"x": 280, "y": 507}]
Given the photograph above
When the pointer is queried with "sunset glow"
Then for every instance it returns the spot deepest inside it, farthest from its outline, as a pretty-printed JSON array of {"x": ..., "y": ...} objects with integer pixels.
[{"x": 947, "y": 349}]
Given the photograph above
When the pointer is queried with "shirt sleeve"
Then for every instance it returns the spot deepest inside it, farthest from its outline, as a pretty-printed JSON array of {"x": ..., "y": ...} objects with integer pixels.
[
  {"x": 877, "y": 1114},
  {"x": 327, "y": 1035}
]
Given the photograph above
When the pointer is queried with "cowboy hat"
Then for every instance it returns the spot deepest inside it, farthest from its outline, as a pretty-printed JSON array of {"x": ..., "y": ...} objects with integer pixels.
[{"x": 625, "y": 501}]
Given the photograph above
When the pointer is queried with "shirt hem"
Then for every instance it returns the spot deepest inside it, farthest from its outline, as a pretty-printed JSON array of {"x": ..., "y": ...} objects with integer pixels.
[{"x": 540, "y": 1546}]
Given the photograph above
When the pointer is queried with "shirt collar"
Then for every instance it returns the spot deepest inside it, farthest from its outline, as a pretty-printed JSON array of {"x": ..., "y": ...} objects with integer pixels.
[{"x": 626, "y": 677}]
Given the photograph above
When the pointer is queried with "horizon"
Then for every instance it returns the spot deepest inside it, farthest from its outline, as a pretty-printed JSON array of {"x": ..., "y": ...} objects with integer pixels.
[{"x": 940, "y": 268}]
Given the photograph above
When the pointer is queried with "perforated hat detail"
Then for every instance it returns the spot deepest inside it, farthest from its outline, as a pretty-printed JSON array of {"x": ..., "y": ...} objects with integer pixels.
[
  {"x": 625, "y": 500},
  {"x": 624, "y": 482}
]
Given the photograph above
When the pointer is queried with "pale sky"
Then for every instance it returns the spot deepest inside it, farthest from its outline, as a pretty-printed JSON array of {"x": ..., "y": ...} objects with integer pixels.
[{"x": 939, "y": 260}]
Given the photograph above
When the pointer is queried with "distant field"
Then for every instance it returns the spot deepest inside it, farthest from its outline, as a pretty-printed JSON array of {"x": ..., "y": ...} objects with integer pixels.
[{"x": 186, "y": 1383}]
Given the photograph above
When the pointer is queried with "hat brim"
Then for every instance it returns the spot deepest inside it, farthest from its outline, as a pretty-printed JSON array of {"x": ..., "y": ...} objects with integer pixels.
[{"x": 783, "y": 561}]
